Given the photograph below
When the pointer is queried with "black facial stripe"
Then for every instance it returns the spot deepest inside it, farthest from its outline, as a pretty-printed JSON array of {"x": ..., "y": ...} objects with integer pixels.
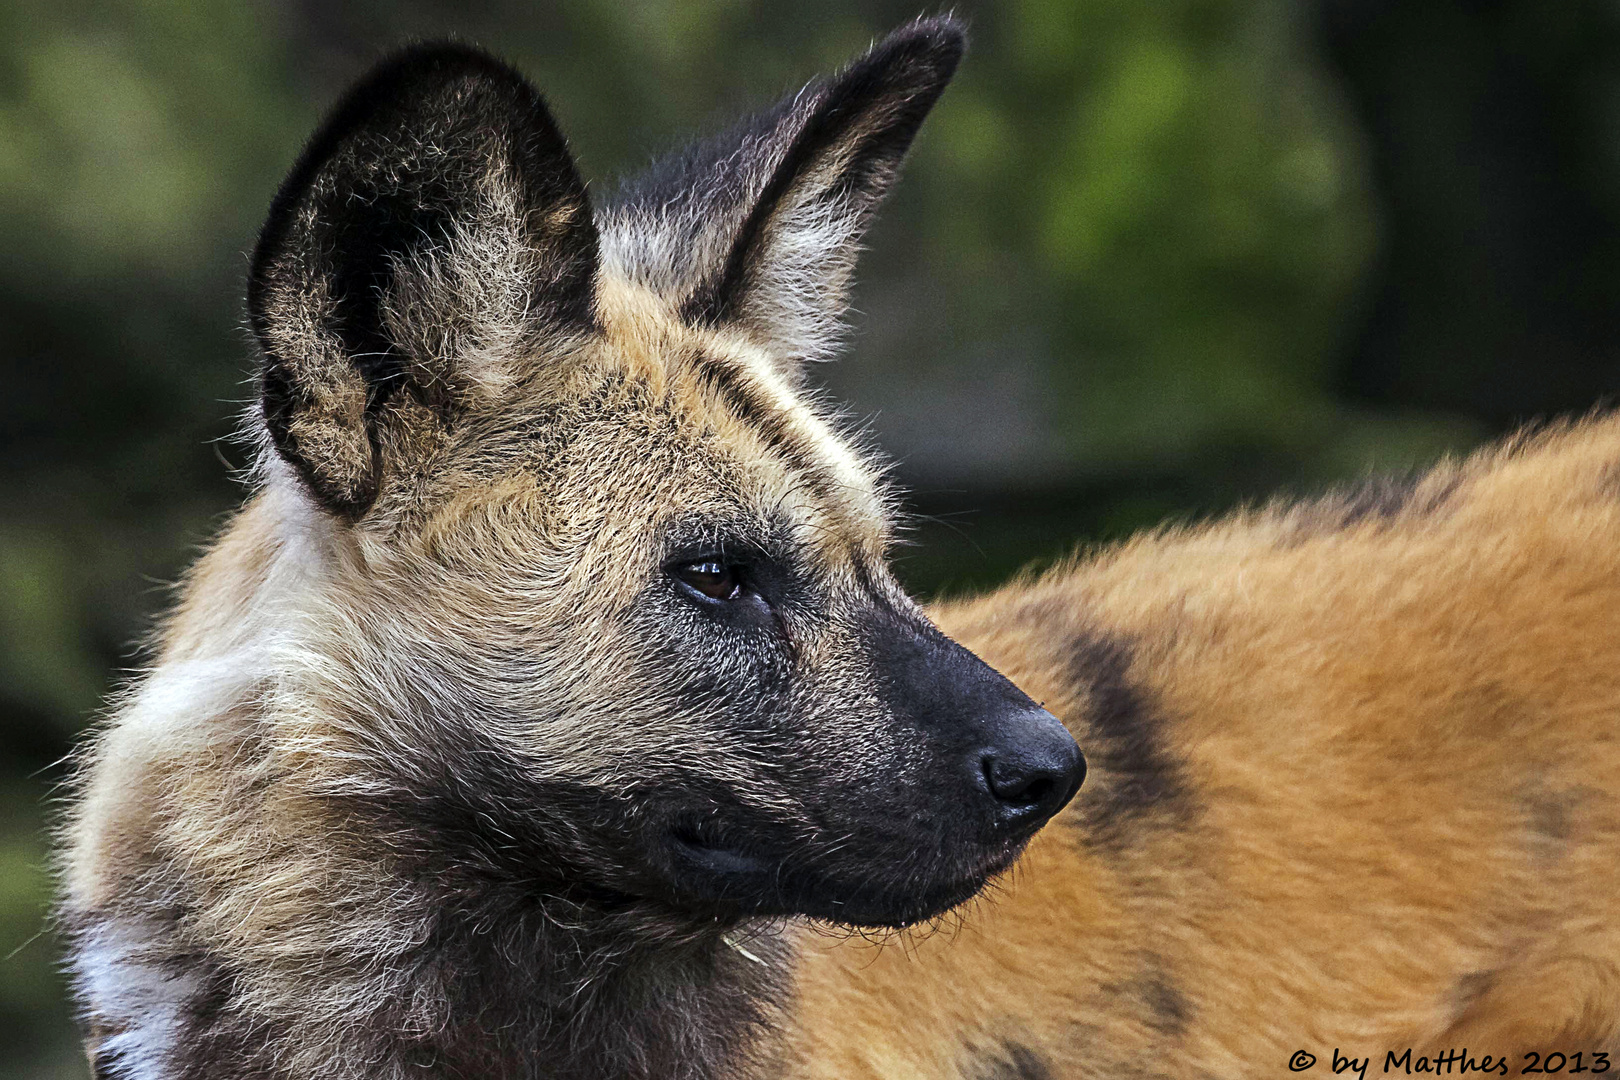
[
  {"x": 769, "y": 423},
  {"x": 866, "y": 581}
]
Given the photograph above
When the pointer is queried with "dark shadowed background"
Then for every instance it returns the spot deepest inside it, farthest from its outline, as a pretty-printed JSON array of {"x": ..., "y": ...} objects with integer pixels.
[{"x": 1152, "y": 259}]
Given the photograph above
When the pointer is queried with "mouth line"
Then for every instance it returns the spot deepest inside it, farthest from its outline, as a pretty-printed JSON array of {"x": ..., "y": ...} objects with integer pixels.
[
  {"x": 935, "y": 903},
  {"x": 711, "y": 870},
  {"x": 714, "y": 856}
]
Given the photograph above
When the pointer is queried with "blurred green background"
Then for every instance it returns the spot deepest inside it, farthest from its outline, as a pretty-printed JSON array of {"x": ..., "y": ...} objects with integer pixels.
[{"x": 1152, "y": 258}]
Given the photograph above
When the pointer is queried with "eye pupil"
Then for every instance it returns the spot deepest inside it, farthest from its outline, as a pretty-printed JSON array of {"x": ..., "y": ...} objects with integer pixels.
[{"x": 713, "y": 579}]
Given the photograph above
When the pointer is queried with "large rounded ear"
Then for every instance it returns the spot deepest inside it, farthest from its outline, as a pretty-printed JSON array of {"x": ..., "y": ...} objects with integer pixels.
[
  {"x": 433, "y": 231},
  {"x": 759, "y": 227}
]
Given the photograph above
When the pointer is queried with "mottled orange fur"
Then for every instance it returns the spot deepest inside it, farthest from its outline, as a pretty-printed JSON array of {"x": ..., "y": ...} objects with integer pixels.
[{"x": 1399, "y": 742}]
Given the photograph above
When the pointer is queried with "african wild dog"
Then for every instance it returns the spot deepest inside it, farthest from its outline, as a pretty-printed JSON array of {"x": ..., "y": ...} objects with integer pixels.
[
  {"x": 556, "y": 652},
  {"x": 556, "y": 655}
]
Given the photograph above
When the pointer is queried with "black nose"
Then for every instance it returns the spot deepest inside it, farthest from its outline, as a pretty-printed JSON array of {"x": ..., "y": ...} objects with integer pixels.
[{"x": 1034, "y": 769}]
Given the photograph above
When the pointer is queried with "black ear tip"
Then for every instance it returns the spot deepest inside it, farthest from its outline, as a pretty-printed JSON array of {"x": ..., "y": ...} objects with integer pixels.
[
  {"x": 397, "y": 85},
  {"x": 418, "y": 72},
  {"x": 448, "y": 50},
  {"x": 442, "y": 57},
  {"x": 944, "y": 36},
  {"x": 929, "y": 49},
  {"x": 947, "y": 31},
  {"x": 428, "y": 63}
]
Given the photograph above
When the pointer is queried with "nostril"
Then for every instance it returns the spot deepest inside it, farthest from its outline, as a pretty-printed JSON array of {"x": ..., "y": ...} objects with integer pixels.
[
  {"x": 1016, "y": 783},
  {"x": 1038, "y": 790},
  {"x": 1033, "y": 769}
]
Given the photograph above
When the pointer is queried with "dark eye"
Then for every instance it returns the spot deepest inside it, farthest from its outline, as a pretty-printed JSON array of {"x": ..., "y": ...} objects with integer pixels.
[{"x": 712, "y": 578}]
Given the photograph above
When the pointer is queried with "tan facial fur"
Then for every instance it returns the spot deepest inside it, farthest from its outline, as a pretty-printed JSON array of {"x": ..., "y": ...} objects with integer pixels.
[{"x": 302, "y": 647}]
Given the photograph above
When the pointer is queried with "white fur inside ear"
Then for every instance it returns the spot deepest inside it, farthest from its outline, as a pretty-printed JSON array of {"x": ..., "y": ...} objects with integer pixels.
[
  {"x": 800, "y": 281},
  {"x": 464, "y": 311},
  {"x": 135, "y": 1001}
]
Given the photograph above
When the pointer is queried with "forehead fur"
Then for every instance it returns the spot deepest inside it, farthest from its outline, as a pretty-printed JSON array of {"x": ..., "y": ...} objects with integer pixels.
[
  {"x": 725, "y": 382},
  {"x": 655, "y": 422}
]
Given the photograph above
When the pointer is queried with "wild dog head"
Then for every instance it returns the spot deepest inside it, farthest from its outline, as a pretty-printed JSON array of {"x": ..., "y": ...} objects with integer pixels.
[{"x": 601, "y": 600}]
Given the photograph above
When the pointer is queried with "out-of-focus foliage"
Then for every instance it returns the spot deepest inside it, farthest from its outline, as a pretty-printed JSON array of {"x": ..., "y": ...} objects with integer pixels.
[
  {"x": 1170, "y": 196},
  {"x": 1152, "y": 257}
]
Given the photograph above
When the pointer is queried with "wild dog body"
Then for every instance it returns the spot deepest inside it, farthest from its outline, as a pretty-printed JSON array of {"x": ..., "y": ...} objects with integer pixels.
[
  {"x": 1355, "y": 787},
  {"x": 556, "y": 655}
]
